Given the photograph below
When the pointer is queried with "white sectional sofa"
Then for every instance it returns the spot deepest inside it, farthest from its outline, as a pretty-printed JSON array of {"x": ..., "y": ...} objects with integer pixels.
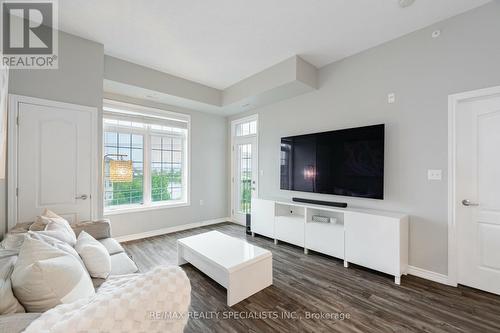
[{"x": 120, "y": 303}]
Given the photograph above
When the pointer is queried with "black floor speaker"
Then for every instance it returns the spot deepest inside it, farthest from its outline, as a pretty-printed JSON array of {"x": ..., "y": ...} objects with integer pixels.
[{"x": 249, "y": 224}]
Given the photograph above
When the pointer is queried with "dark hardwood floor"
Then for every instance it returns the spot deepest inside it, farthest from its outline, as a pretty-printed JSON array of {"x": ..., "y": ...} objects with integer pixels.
[{"x": 320, "y": 285}]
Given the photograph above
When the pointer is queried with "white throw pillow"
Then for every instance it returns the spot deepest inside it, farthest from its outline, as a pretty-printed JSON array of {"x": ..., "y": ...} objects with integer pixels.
[
  {"x": 45, "y": 276},
  {"x": 42, "y": 220},
  {"x": 94, "y": 255},
  {"x": 55, "y": 243},
  {"x": 55, "y": 226}
]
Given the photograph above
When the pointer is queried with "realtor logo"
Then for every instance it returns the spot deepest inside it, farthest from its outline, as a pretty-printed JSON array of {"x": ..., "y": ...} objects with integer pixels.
[{"x": 29, "y": 34}]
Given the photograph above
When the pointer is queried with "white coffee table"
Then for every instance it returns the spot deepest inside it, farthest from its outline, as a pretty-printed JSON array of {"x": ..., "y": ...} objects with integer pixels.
[{"x": 242, "y": 268}]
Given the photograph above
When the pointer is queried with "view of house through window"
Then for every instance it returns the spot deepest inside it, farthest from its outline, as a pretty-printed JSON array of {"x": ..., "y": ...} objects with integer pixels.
[
  {"x": 245, "y": 177},
  {"x": 157, "y": 148}
]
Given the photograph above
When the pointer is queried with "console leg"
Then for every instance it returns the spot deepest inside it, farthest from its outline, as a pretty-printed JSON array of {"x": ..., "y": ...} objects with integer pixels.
[
  {"x": 397, "y": 280},
  {"x": 275, "y": 241},
  {"x": 306, "y": 251},
  {"x": 253, "y": 234},
  {"x": 346, "y": 264}
]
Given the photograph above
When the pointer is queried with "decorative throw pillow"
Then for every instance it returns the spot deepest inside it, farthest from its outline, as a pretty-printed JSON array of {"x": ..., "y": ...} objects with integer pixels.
[
  {"x": 40, "y": 223},
  {"x": 8, "y": 302},
  {"x": 55, "y": 243},
  {"x": 45, "y": 276},
  {"x": 55, "y": 226},
  {"x": 94, "y": 255}
]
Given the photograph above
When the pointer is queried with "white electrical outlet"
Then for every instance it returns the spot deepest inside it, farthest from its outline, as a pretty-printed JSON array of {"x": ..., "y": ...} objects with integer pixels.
[
  {"x": 202, "y": 202},
  {"x": 391, "y": 98},
  {"x": 434, "y": 174}
]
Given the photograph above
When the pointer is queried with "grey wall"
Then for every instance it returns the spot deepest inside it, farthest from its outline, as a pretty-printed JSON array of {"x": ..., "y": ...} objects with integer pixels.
[
  {"x": 422, "y": 72},
  {"x": 208, "y": 176},
  {"x": 78, "y": 80}
]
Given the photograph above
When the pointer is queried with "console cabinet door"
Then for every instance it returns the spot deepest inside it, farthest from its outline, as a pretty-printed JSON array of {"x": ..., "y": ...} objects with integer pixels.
[
  {"x": 263, "y": 217},
  {"x": 372, "y": 241}
]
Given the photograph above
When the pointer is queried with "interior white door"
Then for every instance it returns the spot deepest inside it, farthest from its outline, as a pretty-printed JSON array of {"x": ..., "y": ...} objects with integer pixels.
[
  {"x": 478, "y": 193},
  {"x": 245, "y": 176},
  {"x": 55, "y": 161}
]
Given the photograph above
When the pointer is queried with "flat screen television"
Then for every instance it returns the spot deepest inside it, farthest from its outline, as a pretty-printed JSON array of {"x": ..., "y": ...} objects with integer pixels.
[{"x": 348, "y": 162}]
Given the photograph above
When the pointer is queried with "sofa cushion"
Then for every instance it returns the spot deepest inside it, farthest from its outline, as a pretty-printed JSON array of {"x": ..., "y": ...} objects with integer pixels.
[
  {"x": 16, "y": 323},
  {"x": 94, "y": 255},
  {"x": 98, "y": 229},
  {"x": 122, "y": 264},
  {"x": 8, "y": 302},
  {"x": 111, "y": 245},
  {"x": 13, "y": 241},
  {"x": 45, "y": 276},
  {"x": 20, "y": 228}
]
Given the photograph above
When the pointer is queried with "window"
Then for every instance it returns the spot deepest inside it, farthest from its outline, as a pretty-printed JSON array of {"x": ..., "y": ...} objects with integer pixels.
[
  {"x": 130, "y": 145},
  {"x": 166, "y": 168},
  {"x": 156, "y": 142},
  {"x": 247, "y": 128}
]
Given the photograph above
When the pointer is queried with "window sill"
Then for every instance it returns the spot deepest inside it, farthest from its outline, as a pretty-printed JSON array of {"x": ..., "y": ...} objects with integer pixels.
[{"x": 138, "y": 209}]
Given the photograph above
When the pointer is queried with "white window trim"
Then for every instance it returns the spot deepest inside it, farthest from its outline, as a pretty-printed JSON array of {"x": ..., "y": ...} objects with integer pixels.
[{"x": 147, "y": 111}]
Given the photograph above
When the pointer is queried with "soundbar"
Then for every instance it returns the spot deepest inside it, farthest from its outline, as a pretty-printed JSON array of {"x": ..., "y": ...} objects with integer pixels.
[{"x": 322, "y": 203}]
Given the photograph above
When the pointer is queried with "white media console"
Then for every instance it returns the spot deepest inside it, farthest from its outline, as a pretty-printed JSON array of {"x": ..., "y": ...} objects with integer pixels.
[{"x": 374, "y": 239}]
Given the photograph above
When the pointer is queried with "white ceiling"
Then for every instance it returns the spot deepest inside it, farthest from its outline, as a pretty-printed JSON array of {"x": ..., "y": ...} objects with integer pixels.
[{"x": 220, "y": 42}]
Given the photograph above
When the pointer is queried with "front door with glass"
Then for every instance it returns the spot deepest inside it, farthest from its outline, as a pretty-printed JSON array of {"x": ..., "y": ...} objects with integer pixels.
[{"x": 244, "y": 178}]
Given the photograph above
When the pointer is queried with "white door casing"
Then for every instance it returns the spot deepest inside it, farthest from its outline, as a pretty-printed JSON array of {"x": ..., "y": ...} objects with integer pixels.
[
  {"x": 475, "y": 190},
  {"x": 52, "y": 159}
]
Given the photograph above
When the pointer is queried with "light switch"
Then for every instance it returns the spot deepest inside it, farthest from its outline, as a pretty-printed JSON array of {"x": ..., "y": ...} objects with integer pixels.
[{"x": 434, "y": 174}]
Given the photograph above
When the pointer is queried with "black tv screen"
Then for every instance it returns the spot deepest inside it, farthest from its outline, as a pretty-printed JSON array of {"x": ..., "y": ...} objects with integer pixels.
[{"x": 347, "y": 162}]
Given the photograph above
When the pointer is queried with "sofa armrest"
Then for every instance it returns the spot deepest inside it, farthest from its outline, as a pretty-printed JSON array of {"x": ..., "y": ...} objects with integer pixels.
[{"x": 98, "y": 229}]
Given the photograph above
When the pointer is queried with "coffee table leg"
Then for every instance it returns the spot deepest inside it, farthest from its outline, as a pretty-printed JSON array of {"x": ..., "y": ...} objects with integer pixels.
[{"x": 247, "y": 281}]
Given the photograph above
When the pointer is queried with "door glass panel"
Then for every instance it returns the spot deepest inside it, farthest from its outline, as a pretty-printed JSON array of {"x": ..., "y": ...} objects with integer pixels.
[
  {"x": 248, "y": 128},
  {"x": 245, "y": 177}
]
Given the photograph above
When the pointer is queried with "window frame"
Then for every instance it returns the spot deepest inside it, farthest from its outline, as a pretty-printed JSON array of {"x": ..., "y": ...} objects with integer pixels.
[{"x": 132, "y": 110}]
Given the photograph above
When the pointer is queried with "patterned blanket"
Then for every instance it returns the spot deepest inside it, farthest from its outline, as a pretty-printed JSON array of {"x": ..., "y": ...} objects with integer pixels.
[{"x": 157, "y": 301}]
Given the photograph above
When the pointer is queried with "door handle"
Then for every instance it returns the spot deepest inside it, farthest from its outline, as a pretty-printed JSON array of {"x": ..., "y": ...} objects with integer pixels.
[
  {"x": 82, "y": 197},
  {"x": 468, "y": 203}
]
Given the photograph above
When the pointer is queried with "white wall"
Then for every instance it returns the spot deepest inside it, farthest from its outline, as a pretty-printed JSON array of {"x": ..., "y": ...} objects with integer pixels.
[
  {"x": 208, "y": 176},
  {"x": 422, "y": 72}
]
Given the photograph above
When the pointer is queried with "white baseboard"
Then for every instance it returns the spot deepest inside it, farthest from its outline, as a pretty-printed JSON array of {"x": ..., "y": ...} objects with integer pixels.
[
  {"x": 428, "y": 275},
  {"x": 237, "y": 222},
  {"x": 170, "y": 230}
]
